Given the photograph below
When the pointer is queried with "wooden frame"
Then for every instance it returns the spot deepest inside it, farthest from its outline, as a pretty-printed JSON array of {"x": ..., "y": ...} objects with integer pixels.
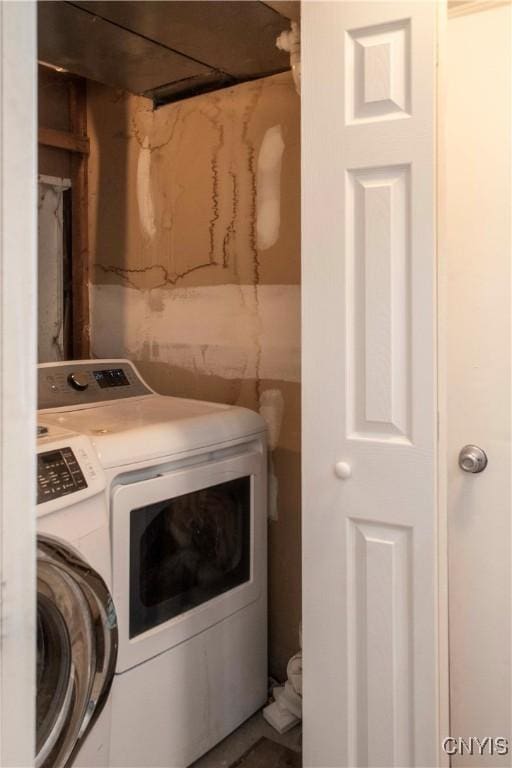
[
  {"x": 79, "y": 222},
  {"x": 71, "y": 142},
  {"x": 76, "y": 142}
]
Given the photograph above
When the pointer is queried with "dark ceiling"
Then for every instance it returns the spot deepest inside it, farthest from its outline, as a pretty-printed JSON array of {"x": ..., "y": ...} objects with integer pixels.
[{"x": 166, "y": 50}]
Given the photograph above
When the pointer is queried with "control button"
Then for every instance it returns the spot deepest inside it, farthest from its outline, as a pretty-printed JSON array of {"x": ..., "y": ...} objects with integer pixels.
[
  {"x": 51, "y": 383},
  {"x": 78, "y": 381}
]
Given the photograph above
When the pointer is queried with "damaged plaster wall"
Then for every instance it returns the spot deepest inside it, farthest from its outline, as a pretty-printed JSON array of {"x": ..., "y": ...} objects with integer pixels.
[
  {"x": 195, "y": 244},
  {"x": 54, "y": 166},
  {"x": 50, "y": 268}
]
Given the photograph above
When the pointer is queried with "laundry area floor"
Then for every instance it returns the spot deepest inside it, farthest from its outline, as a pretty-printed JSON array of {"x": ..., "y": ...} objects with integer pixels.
[{"x": 256, "y": 745}]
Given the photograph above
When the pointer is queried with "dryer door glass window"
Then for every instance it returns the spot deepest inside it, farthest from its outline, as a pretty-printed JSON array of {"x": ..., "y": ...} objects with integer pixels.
[{"x": 187, "y": 550}]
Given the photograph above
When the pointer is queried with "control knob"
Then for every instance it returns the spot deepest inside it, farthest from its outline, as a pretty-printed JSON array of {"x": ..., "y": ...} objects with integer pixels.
[{"x": 78, "y": 381}]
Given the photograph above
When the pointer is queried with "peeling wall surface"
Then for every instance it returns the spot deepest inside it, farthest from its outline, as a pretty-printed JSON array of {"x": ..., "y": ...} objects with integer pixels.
[
  {"x": 53, "y": 112},
  {"x": 50, "y": 299},
  {"x": 195, "y": 244}
]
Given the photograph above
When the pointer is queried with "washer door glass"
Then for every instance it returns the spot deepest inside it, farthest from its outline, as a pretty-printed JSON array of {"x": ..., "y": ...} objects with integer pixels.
[
  {"x": 54, "y": 672},
  {"x": 76, "y": 652}
]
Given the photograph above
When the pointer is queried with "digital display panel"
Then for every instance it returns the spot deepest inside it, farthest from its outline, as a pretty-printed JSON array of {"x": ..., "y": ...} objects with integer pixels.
[
  {"x": 58, "y": 473},
  {"x": 111, "y": 377}
]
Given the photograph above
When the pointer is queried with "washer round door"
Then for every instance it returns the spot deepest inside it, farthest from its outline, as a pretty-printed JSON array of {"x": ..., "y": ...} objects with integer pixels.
[{"x": 76, "y": 651}]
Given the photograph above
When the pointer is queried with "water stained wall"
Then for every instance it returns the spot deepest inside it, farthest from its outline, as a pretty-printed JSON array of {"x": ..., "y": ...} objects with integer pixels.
[{"x": 195, "y": 245}]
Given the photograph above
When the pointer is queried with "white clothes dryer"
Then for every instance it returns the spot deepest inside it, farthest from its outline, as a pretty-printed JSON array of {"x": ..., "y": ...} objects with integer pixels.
[
  {"x": 76, "y": 622},
  {"x": 186, "y": 491}
]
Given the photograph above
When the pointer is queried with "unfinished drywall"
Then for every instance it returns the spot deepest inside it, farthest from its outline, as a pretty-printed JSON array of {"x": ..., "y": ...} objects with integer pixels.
[{"x": 195, "y": 246}]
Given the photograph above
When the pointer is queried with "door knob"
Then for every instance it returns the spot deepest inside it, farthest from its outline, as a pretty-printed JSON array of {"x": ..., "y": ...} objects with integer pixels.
[
  {"x": 342, "y": 470},
  {"x": 472, "y": 459}
]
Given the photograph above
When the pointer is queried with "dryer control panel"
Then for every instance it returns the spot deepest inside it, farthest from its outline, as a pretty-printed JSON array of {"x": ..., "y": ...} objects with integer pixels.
[{"x": 87, "y": 382}]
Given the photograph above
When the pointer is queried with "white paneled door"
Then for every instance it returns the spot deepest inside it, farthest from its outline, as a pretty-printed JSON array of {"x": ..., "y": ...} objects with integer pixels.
[{"x": 370, "y": 552}]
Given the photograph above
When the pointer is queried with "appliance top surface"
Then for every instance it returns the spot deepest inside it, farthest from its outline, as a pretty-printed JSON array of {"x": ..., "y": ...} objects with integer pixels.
[
  {"x": 129, "y": 428},
  {"x": 48, "y": 433}
]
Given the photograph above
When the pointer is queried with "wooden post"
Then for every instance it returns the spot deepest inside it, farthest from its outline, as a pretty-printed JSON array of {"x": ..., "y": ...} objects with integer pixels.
[{"x": 79, "y": 222}]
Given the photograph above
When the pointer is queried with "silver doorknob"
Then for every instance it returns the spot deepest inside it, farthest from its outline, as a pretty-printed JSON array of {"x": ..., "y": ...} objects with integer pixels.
[{"x": 472, "y": 459}]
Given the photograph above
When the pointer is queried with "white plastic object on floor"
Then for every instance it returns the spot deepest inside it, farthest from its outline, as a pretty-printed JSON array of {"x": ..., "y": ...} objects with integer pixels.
[
  {"x": 280, "y": 719},
  {"x": 294, "y": 672},
  {"x": 286, "y": 710},
  {"x": 288, "y": 699}
]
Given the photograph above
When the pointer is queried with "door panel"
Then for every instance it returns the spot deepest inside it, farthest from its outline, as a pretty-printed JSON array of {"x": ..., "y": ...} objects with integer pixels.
[
  {"x": 369, "y": 276},
  {"x": 477, "y": 271}
]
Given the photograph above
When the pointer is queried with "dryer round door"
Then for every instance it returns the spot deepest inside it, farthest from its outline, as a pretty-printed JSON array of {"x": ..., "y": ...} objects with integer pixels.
[{"x": 76, "y": 651}]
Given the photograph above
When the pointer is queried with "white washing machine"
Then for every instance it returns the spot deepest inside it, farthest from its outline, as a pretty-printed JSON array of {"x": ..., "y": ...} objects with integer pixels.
[
  {"x": 186, "y": 495},
  {"x": 76, "y": 622}
]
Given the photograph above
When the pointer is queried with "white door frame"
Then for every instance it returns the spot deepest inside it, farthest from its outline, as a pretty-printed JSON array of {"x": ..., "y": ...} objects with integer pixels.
[{"x": 18, "y": 271}]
